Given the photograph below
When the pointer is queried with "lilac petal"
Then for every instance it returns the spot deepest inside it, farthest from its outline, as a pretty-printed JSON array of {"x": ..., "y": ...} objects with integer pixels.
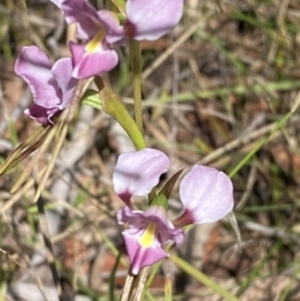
[
  {"x": 136, "y": 173},
  {"x": 82, "y": 12},
  {"x": 87, "y": 29},
  {"x": 207, "y": 194},
  {"x": 167, "y": 232},
  {"x": 152, "y": 19},
  {"x": 62, "y": 71},
  {"x": 154, "y": 214},
  {"x": 78, "y": 10},
  {"x": 125, "y": 214},
  {"x": 34, "y": 67},
  {"x": 92, "y": 64},
  {"x": 37, "y": 113},
  {"x": 144, "y": 247},
  {"x": 142, "y": 257},
  {"x": 114, "y": 31}
]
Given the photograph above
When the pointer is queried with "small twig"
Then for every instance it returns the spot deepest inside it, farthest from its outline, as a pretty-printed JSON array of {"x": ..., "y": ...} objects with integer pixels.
[
  {"x": 62, "y": 130},
  {"x": 174, "y": 111},
  {"x": 249, "y": 187},
  {"x": 241, "y": 141},
  {"x": 26, "y": 271},
  {"x": 272, "y": 232},
  {"x": 127, "y": 288},
  {"x": 141, "y": 284},
  {"x": 49, "y": 249}
]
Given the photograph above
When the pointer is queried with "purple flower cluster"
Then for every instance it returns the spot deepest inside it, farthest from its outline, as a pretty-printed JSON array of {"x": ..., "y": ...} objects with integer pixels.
[
  {"x": 206, "y": 195},
  {"x": 98, "y": 32}
]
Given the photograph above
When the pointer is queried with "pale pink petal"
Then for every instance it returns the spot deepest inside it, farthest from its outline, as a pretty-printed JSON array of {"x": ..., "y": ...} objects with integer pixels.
[
  {"x": 37, "y": 113},
  {"x": 137, "y": 223},
  {"x": 34, "y": 67},
  {"x": 125, "y": 214},
  {"x": 62, "y": 71},
  {"x": 150, "y": 20},
  {"x": 114, "y": 31},
  {"x": 142, "y": 257},
  {"x": 167, "y": 232},
  {"x": 136, "y": 173},
  {"x": 82, "y": 12},
  {"x": 207, "y": 194},
  {"x": 87, "y": 29},
  {"x": 78, "y": 10},
  {"x": 92, "y": 64}
]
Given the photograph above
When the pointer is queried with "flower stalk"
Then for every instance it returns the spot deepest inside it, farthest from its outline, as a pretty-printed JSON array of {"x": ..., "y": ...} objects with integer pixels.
[{"x": 136, "y": 61}]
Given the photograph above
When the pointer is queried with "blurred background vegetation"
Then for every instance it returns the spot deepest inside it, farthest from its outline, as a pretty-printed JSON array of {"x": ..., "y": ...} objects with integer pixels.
[{"x": 212, "y": 89}]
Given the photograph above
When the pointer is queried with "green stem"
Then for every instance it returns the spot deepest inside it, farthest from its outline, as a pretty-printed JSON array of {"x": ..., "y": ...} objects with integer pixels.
[
  {"x": 136, "y": 60},
  {"x": 114, "y": 107}
]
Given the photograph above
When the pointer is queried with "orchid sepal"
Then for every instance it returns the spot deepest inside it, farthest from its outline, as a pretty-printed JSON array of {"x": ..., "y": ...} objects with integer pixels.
[{"x": 52, "y": 87}]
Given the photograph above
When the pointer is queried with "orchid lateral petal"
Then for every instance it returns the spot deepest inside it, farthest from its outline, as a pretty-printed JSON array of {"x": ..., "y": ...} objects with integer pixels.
[
  {"x": 207, "y": 194},
  {"x": 149, "y": 20},
  {"x": 136, "y": 173},
  {"x": 114, "y": 31},
  {"x": 78, "y": 11},
  {"x": 82, "y": 12},
  {"x": 34, "y": 67},
  {"x": 52, "y": 88}
]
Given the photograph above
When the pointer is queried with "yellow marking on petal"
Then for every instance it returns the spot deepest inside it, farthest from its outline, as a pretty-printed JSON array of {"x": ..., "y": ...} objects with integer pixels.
[
  {"x": 147, "y": 238},
  {"x": 95, "y": 43}
]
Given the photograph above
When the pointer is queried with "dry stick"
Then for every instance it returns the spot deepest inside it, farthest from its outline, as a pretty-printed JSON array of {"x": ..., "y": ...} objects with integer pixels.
[
  {"x": 22, "y": 151},
  {"x": 16, "y": 197},
  {"x": 241, "y": 141},
  {"x": 272, "y": 232},
  {"x": 282, "y": 31},
  {"x": 49, "y": 249},
  {"x": 249, "y": 187},
  {"x": 30, "y": 183},
  {"x": 26, "y": 271},
  {"x": 65, "y": 119},
  {"x": 174, "y": 116},
  {"x": 43, "y": 147},
  {"x": 33, "y": 19},
  {"x": 127, "y": 288},
  {"x": 141, "y": 284},
  {"x": 170, "y": 50}
]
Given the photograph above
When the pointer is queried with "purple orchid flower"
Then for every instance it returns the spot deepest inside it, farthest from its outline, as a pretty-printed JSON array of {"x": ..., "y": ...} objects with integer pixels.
[
  {"x": 101, "y": 29},
  {"x": 206, "y": 194},
  {"x": 147, "y": 232},
  {"x": 52, "y": 88}
]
